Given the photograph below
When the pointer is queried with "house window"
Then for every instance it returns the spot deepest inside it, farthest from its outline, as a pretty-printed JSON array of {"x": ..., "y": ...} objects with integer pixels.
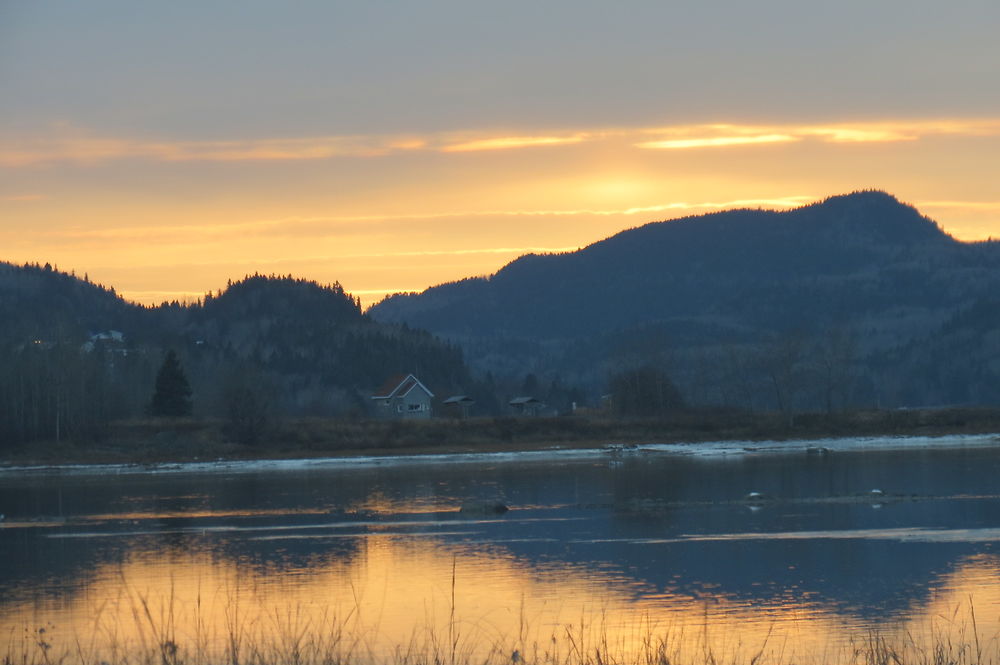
[
  {"x": 417, "y": 407},
  {"x": 399, "y": 408}
]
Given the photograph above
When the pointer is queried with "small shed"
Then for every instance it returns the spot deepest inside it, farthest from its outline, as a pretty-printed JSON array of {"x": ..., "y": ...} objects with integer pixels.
[
  {"x": 403, "y": 397},
  {"x": 526, "y": 406},
  {"x": 459, "y": 406}
]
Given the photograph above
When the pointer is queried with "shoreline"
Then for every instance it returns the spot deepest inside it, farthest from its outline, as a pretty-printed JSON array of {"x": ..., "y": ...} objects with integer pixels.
[
  {"x": 702, "y": 449},
  {"x": 165, "y": 443}
]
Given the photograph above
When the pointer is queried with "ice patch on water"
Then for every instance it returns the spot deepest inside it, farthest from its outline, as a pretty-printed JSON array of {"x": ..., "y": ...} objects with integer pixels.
[
  {"x": 316, "y": 463},
  {"x": 358, "y": 528},
  {"x": 705, "y": 449},
  {"x": 362, "y": 536},
  {"x": 902, "y": 534}
]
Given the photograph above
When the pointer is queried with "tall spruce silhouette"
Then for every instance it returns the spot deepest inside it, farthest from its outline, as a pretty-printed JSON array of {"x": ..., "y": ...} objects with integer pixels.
[{"x": 172, "y": 393}]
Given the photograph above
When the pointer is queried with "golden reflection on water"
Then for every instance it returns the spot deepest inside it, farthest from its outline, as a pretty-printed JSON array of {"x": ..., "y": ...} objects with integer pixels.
[{"x": 423, "y": 595}]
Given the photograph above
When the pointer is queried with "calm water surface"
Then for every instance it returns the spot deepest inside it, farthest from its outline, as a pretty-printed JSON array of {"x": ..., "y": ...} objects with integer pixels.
[{"x": 612, "y": 551}]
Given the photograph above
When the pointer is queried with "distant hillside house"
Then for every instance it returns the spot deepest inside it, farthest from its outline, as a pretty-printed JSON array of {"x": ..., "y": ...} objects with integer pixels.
[
  {"x": 403, "y": 397},
  {"x": 459, "y": 406},
  {"x": 526, "y": 406},
  {"x": 110, "y": 340},
  {"x": 108, "y": 335}
]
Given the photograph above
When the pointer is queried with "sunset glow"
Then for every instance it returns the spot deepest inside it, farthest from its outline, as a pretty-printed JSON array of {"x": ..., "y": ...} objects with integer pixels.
[
  {"x": 511, "y": 333},
  {"x": 445, "y": 155}
]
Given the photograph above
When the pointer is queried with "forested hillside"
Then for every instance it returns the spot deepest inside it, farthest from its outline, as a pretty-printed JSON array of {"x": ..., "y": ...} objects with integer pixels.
[
  {"x": 39, "y": 302},
  {"x": 857, "y": 301},
  {"x": 743, "y": 306},
  {"x": 75, "y": 355}
]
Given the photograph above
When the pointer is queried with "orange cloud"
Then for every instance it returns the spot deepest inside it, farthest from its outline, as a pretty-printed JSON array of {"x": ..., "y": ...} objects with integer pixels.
[
  {"x": 73, "y": 145},
  {"x": 68, "y": 144},
  {"x": 508, "y": 142},
  {"x": 875, "y": 134},
  {"x": 87, "y": 149},
  {"x": 716, "y": 141},
  {"x": 299, "y": 226},
  {"x": 717, "y": 135},
  {"x": 408, "y": 144},
  {"x": 965, "y": 205},
  {"x": 301, "y": 259}
]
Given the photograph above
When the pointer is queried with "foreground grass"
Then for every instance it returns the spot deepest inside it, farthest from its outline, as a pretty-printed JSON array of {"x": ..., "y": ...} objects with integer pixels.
[
  {"x": 161, "y": 440},
  {"x": 283, "y": 640},
  {"x": 227, "y": 628},
  {"x": 136, "y": 630}
]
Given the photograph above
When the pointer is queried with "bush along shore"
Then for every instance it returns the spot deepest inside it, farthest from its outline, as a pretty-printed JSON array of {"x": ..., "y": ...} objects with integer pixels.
[{"x": 190, "y": 438}]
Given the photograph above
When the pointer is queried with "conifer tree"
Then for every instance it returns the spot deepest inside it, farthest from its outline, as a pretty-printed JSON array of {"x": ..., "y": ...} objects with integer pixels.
[{"x": 172, "y": 393}]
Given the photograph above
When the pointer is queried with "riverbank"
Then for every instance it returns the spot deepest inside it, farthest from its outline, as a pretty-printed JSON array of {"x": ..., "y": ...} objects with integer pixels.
[{"x": 159, "y": 441}]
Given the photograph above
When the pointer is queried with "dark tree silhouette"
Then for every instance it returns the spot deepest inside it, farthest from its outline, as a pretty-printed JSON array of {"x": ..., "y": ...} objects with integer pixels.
[
  {"x": 248, "y": 405},
  {"x": 172, "y": 394},
  {"x": 644, "y": 391}
]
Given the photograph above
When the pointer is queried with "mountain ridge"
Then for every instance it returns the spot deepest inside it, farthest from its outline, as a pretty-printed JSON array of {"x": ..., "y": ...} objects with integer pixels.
[
  {"x": 728, "y": 289},
  {"x": 831, "y": 237},
  {"x": 720, "y": 300}
]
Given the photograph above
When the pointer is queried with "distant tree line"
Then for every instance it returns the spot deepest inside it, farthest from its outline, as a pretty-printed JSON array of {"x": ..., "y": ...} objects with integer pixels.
[
  {"x": 74, "y": 356},
  {"x": 54, "y": 392}
]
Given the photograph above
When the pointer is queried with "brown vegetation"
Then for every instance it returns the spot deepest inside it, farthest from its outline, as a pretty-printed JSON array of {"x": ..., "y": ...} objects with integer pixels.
[
  {"x": 160, "y": 440},
  {"x": 153, "y": 637}
]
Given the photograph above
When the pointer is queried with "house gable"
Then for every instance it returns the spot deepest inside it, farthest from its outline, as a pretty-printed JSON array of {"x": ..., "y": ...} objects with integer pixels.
[
  {"x": 403, "y": 396},
  {"x": 400, "y": 386}
]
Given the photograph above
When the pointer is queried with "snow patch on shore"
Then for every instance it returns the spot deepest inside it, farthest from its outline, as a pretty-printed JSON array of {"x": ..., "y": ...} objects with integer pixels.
[
  {"x": 709, "y": 449},
  {"x": 851, "y": 444}
]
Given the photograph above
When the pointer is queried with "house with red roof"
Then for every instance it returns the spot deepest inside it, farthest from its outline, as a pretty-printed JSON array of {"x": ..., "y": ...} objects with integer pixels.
[{"x": 403, "y": 397}]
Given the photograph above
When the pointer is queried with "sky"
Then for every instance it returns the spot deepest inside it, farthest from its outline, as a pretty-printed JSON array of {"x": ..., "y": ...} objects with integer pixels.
[{"x": 165, "y": 148}]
